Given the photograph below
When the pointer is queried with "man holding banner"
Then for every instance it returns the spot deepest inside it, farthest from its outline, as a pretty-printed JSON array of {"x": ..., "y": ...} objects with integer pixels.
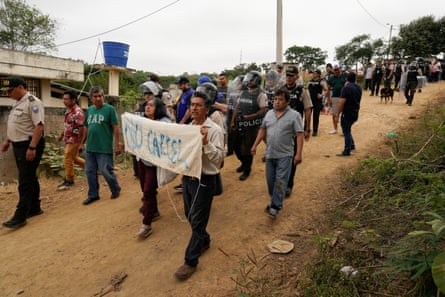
[
  {"x": 196, "y": 151},
  {"x": 198, "y": 193}
]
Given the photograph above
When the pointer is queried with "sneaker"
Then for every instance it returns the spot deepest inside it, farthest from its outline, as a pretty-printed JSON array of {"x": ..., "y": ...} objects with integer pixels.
[
  {"x": 184, "y": 272},
  {"x": 145, "y": 231},
  {"x": 273, "y": 212},
  {"x": 240, "y": 169},
  {"x": 65, "y": 184},
  {"x": 178, "y": 187},
  {"x": 333, "y": 132},
  {"x": 14, "y": 223}
]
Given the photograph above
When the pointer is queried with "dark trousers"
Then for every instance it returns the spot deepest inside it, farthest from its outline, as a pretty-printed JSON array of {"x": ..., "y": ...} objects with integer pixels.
[
  {"x": 410, "y": 90},
  {"x": 149, "y": 185},
  {"x": 290, "y": 183},
  {"x": 368, "y": 83},
  {"x": 396, "y": 82},
  {"x": 375, "y": 88},
  {"x": 29, "y": 187},
  {"x": 243, "y": 142},
  {"x": 198, "y": 197},
  {"x": 230, "y": 141},
  {"x": 316, "y": 116},
  {"x": 346, "y": 125}
]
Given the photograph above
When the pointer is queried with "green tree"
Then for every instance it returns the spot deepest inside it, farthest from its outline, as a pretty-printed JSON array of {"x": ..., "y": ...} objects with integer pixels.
[
  {"x": 422, "y": 37},
  {"x": 25, "y": 28},
  {"x": 361, "y": 49},
  {"x": 305, "y": 56}
]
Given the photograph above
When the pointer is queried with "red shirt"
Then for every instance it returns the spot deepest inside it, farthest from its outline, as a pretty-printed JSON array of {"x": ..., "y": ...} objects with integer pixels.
[{"x": 73, "y": 123}]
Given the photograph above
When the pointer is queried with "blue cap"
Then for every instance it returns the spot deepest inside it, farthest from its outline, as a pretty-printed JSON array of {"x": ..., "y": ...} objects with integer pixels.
[{"x": 203, "y": 79}]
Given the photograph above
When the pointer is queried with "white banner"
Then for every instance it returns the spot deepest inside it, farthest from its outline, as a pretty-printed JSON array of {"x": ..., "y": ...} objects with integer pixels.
[{"x": 167, "y": 145}]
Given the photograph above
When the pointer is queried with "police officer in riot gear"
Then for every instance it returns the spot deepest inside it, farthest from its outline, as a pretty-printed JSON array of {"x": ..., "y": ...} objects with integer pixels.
[
  {"x": 411, "y": 83},
  {"x": 246, "y": 120},
  {"x": 233, "y": 92},
  {"x": 270, "y": 86}
]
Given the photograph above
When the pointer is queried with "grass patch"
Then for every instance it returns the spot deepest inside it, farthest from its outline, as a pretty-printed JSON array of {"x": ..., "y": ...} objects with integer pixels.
[{"x": 386, "y": 224}]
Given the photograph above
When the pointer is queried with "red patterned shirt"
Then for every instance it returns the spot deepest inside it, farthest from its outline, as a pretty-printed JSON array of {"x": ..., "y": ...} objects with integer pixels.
[{"x": 73, "y": 123}]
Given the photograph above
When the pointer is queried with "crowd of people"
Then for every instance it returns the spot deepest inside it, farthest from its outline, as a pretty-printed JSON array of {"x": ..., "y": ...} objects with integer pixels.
[{"x": 234, "y": 118}]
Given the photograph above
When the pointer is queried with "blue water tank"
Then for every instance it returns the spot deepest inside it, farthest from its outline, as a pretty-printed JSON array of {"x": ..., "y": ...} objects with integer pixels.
[{"x": 116, "y": 53}]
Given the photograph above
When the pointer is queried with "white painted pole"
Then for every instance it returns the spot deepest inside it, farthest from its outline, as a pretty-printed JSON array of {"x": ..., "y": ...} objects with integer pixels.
[{"x": 279, "y": 53}]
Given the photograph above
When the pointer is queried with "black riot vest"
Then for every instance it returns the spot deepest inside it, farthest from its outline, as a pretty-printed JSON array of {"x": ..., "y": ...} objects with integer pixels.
[
  {"x": 295, "y": 99},
  {"x": 270, "y": 97},
  {"x": 398, "y": 71},
  {"x": 378, "y": 73},
  {"x": 248, "y": 102},
  {"x": 315, "y": 88}
]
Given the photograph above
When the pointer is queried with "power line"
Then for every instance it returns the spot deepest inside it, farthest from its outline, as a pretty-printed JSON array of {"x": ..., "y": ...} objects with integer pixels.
[
  {"x": 372, "y": 17},
  {"x": 121, "y": 26}
]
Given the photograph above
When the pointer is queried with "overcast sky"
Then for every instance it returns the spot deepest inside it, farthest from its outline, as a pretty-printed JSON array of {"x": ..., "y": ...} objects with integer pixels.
[{"x": 197, "y": 36}]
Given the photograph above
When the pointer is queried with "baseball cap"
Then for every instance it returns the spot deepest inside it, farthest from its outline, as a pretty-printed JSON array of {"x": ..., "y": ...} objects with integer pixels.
[
  {"x": 336, "y": 67},
  {"x": 280, "y": 66},
  {"x": 292, "y": 70},
  {"x": 12, "y": 82},
  {"x": 316, "y": 71},
  {"x": 182, "y": 80}
]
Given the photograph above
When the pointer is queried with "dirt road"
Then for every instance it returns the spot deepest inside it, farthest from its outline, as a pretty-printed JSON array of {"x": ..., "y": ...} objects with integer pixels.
[{"x": 74, "y": 250}]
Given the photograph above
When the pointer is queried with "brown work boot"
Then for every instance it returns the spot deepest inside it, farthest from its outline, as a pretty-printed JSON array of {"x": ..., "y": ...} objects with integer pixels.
[{"x": 185, "y": 271}]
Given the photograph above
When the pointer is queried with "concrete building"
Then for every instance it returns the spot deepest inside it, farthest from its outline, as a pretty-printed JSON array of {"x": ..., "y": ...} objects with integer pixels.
[{"x": 39, "y": 71}]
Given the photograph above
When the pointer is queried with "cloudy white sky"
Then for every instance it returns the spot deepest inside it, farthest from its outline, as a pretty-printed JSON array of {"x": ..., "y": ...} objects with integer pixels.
[{"x": 197, "y": 36}]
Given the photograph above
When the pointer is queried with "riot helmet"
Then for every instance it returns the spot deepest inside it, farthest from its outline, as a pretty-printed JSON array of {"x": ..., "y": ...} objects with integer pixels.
[
  {"x": 252, "y": 76},
  {"x": 412, "y": 66},
  {"x": 209, "y": 89},
  {"x": 272, "y": 78},
  {"x": 149, "y": 87}
]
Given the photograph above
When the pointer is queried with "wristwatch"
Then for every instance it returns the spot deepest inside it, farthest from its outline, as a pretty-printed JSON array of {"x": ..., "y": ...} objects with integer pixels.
[{"x": 32, "y": 148}]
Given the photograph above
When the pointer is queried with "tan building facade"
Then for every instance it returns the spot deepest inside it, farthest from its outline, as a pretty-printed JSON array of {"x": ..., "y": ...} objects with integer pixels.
[{"x": 39, "y": 71}]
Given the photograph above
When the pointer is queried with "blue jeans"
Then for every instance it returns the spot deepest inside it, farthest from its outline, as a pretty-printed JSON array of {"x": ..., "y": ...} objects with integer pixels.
[
  {"x": 104, "y": 163},
  {"x": 346, "y": 124},
  {"x": 277, "y": 176}
]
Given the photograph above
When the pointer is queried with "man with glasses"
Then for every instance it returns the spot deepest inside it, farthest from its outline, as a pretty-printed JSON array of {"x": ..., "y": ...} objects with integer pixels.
[{"x": 25, "y": 133}]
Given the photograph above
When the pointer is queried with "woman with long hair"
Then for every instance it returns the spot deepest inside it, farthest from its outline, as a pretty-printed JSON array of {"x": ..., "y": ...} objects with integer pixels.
[{"x": 154, "y": 110}]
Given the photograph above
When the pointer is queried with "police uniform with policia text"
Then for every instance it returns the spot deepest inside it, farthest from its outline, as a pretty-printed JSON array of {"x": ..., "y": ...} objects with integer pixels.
[{"x": 25, "y": 134}]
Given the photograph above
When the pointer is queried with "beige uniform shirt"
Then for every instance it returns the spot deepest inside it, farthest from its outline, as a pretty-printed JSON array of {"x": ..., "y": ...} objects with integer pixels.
[
  {"x": 306, "y": 99},
  {"x": 24, "y": 116}
]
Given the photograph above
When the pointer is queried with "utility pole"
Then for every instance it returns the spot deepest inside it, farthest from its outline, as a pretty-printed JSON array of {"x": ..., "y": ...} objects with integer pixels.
[
  {"x": 279, "y": 53},
  {"x": 389, "y": 42}
]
